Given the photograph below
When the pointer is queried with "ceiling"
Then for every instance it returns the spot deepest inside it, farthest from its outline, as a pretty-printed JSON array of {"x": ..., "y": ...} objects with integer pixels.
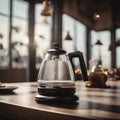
[{"x": 84, "y": 11}]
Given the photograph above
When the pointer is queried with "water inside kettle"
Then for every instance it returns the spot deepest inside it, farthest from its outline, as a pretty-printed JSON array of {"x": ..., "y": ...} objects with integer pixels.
[{"x": 55, "y": 70}]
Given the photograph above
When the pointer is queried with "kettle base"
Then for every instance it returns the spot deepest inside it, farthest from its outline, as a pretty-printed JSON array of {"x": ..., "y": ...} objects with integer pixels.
[
  {"x": 52, "y": 99},
  {"x": 57, "y": 92}
]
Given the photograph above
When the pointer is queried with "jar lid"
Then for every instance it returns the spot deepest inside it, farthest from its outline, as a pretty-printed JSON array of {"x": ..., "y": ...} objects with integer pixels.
[{"x": 97, "y": 68}]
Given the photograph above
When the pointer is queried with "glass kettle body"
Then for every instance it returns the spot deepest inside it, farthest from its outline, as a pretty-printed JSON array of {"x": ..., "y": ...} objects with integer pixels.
[{"x": 56, "y": 74}]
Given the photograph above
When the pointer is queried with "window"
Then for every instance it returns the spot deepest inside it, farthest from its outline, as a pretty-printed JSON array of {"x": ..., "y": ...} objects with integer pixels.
[
  {"x": 68, "y": 26},
  {"x": 97, "y": 50},
  {"x": 81, "y": 38},
  {"x": 77, "y": 32},
  {"x": 19, "y": 34},
  {"x": 118, "y": 48},
  {"x": 4, "y": 7},
  {"x": 42, "y": 34},
  {"x": 4, "y": 33},
  {"x": 19, "y": 39}
]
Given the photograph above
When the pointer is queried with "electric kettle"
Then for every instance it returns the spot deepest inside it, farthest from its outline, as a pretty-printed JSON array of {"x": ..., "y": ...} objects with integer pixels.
[{"x": 56, "y": 76}]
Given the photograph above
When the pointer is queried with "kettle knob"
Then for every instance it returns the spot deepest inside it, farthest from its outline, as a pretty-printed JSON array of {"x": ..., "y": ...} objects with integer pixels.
[
  {"x": 55, "y": 46},
  {"x": 56, "y": 50}
]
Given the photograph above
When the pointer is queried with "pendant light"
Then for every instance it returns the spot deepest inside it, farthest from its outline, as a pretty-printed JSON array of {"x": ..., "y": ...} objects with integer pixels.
[
  {"x": 99, "y": 44},
  {"x": 96, "y": 15},
  {"x": 68, "y": 37},
  {"x": 47, "y": 9},
  {"x": 117, "y": 43}
]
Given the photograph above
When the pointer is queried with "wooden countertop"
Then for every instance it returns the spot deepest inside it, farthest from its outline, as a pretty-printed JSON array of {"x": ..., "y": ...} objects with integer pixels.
[{"x": 93, "y": 103}]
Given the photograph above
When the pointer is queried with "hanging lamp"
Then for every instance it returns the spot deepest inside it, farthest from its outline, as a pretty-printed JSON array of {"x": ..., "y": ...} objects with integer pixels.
[
  {"x": 47, "y": 9},
  {"x": 68, "y": 37},
  {"x": 98, "y": 42}
]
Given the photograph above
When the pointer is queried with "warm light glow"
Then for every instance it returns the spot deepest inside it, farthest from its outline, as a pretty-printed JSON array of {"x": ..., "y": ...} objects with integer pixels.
[
  {"x": 96, "y": 16},
  {"x": 47, "y": 8}
]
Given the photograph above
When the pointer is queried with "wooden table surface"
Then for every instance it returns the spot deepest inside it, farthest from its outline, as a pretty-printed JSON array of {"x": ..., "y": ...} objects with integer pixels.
[{"x": 93, "y": 103}]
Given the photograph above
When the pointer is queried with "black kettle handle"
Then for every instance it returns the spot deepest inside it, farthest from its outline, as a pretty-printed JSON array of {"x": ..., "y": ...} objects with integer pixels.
[{"x": 82, "y": 63}]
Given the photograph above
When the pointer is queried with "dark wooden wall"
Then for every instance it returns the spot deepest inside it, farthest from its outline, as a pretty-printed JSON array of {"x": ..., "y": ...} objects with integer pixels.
[{"x": 13, "y": 75}]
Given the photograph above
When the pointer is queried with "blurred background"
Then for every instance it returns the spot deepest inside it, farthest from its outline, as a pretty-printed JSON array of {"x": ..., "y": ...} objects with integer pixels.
[{"x": 29, "y": 27}]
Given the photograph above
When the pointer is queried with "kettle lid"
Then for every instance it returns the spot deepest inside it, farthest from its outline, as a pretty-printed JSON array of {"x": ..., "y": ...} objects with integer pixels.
[{"x": 56, "y": 50}]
